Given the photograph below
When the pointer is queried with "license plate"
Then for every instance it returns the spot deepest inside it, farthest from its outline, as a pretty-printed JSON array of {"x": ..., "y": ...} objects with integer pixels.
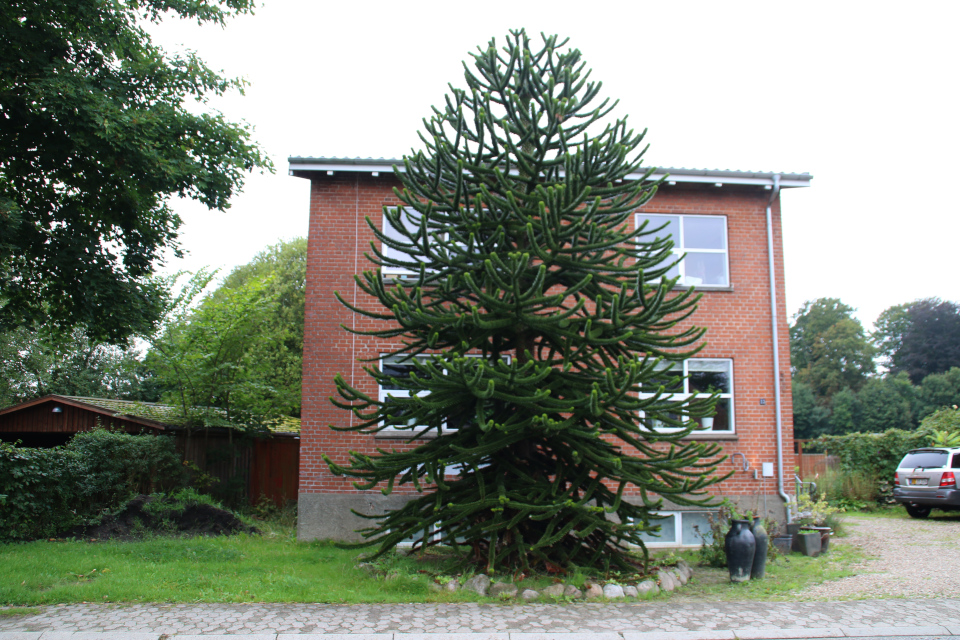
[{"x": 917, "y": 481}]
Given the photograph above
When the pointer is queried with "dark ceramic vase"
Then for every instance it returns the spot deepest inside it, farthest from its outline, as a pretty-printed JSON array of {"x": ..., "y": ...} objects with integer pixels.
[
  {"x": 762, "y": 540},
  {"x": 740, "y": 546}
]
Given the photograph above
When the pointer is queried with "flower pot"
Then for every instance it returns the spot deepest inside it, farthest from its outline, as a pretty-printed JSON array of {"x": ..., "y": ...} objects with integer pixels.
[
  {"x": 783, "y": 544},
  {"x": 824, "y": 536},
  {"x": 706, "y": 423},
  {"x": 759, "y": 567},
  {"x": 807, "y": 543},
  {"x": 740, "y": 545}
]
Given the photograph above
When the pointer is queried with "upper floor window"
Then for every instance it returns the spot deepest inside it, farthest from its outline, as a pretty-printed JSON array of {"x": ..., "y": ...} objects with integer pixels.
[
  {"x": 700, "y": 377},
  {"x": 704, "y": 241},
  {"x": 409, "y": 219}
]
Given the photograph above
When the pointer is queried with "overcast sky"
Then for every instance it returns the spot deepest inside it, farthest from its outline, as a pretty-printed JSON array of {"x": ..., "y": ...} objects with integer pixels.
[{"x": 862, "y": 95}]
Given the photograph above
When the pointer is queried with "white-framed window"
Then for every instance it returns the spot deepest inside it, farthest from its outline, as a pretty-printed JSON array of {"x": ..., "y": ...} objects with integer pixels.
[
  {"x": 704, "y": 241},
  {"x": 698, "y": 377},
  {"x": 401, "y": 366},
  {"x": 680, "y": 529},
  {"x": 410, "y": 219}
]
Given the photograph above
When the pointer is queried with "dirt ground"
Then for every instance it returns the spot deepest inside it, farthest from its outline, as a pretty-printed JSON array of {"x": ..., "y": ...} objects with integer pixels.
[{"x": 134, "y": 521}]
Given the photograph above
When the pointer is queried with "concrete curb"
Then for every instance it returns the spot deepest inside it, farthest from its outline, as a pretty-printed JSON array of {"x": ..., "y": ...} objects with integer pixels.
[{"x": 706, "y": 634}]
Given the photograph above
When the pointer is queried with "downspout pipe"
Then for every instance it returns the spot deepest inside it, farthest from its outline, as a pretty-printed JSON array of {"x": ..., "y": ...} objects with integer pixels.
[{"x": 775, "y": 331}]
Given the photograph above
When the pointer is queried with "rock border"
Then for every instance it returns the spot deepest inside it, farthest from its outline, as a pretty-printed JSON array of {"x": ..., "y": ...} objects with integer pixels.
[{"x": 666, "y": 579}]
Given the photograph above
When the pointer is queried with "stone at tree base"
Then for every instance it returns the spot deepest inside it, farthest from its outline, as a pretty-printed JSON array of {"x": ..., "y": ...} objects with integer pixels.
[
  {"x": 571, "y": 591},
  {"x": 593, "y": 591},
  {"x": 613, "y": 591},
  {"x": 453, "y": 585},
  {"x": 433, "y": 586},
  {"x": 553, "y": 591},
  {"x": 478, "y": 584},
  {"x": 630, "y": 591},
  {"x": 679, "y": 576},
  {"x": 647, "y": 587},
  {"x": 499, "y": 589},
  {"x": 685, "y": 568},
  {"x": 529, "y": 595},
  {"x": 666, "y": 580}
]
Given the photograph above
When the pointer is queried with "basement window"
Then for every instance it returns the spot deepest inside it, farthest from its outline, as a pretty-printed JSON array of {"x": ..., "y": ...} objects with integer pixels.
[{"x": 681, "y": 529}]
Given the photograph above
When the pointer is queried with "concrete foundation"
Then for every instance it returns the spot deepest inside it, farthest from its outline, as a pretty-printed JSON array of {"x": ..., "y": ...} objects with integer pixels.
[
  {"x": 328, "y": 516},
  {"x": 325, "y": 516}
]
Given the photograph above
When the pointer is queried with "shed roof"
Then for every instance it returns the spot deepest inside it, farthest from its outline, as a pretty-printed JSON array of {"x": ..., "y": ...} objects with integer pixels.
[{"x": 150, "y": 414}]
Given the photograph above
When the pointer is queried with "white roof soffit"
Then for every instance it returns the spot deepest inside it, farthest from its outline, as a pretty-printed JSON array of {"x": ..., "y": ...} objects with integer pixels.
[{"x": 300, "y": 166}]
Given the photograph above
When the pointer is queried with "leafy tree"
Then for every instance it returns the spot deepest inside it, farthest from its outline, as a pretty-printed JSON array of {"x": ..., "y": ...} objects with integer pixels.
[
  {"x": 829, "y": 349},
  {"x": 98, "y": 129},
  {"x": 813, "y": 319},
  {"x": 514, "y": 224},
  {"x": 204, "y": 358},
  {"x": 887, "y": 403},
  {"x": 921, "y": 338},
  {"x": 889, "y": 329},
  {"x": 283, "y": 269},
  {"x": 810, "y": 418},
  {"x": 938, "y": 390},
  {"x": 846, "y": 412},
  {"x": 49, "y": 361}
]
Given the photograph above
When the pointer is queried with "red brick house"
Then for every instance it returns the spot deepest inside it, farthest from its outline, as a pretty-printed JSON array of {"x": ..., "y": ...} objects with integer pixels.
[{"x": 728, "y": 224}]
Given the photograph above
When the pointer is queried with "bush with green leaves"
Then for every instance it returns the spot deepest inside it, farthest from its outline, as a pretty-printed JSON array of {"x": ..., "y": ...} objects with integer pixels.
[
  {"x": 943, "y": 427},
  {"x": 876, "y": 454},
  {"x": 40, "y": 490},
  {"x": 50, "y": 490}
]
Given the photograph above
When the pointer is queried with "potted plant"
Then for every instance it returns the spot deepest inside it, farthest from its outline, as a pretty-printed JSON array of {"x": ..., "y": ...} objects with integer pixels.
[{"x": 812, "y": 515}]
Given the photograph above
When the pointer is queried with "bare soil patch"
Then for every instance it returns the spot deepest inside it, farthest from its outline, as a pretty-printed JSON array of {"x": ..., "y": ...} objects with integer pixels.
[{"x": 141, "y": 516}]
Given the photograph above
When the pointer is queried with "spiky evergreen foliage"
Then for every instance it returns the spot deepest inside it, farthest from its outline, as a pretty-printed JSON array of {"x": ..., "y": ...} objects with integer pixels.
[{"x": 533, "y": 318}]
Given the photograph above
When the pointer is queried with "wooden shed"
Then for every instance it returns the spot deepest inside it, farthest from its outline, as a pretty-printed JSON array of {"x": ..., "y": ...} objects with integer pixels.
[{"x": 262, "y": 466}]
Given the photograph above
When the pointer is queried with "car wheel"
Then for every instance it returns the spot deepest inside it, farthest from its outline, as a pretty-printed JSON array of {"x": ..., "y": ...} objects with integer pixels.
[{"x": 918, "y": 512}]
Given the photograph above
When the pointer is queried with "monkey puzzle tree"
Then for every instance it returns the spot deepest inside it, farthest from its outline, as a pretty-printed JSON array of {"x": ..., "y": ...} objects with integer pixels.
[{"x": 537, "y": 329}]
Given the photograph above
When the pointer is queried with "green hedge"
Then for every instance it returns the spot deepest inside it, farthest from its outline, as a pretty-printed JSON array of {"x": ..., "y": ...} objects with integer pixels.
[{"x": 47, "y": 491}]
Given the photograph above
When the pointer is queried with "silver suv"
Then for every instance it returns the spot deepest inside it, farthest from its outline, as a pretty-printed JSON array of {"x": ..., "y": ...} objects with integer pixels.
[{"x": 928, "y": 478}]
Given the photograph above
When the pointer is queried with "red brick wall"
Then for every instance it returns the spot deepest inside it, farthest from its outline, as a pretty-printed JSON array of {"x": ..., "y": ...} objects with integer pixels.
[{"x": 738, "y": 321}]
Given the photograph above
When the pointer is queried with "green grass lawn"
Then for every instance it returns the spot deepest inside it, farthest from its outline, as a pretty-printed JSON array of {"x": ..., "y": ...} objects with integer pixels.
[{"x": 276, "y": 568}]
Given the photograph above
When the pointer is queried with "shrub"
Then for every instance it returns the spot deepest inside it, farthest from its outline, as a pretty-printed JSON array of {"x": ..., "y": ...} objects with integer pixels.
[
  {"x": 943, "y": 427},
  {"x": 875, "y": 455},
  {"x": 50, "y": 490},
  {"x": 113, "y": 465},
  {"x": 40, "y": 490}
]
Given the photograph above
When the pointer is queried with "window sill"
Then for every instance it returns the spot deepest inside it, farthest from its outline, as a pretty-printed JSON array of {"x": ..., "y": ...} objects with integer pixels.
[
  {"x": 712, "y": 436},
  {"x": 705, "y": 288},
  {"x": 404, "y": 435}
]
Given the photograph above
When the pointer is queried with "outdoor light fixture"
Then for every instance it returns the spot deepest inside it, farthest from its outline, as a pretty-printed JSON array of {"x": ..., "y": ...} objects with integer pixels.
[{"x": 58, "y": 409}]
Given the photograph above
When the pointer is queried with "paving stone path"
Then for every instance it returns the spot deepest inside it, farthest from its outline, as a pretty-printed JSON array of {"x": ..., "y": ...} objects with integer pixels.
[{"x": 634, "y": 621}]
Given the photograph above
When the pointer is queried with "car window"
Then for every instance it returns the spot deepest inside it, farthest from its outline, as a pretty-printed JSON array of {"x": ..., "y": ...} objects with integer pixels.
[
  {"x": 925, "y": 459},
  {"x": 956, "y": 461}
]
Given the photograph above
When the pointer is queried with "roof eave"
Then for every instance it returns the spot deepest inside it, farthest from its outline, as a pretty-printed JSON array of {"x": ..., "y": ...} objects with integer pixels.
[{"x": 304, "y": 167}]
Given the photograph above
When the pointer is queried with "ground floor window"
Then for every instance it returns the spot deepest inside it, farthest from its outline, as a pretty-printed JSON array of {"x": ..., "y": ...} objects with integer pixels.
[{"x": 681, "y": 529}]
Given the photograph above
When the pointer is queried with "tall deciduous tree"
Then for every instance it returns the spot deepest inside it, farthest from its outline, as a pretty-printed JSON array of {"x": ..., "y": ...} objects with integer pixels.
[
  {"x": 921, "y": 337},
  {"x": 44, "y": 361},
  {"x": 829, "y": 349},
  {"x": 514, "y": 228},
  {"x": 204, "y": 359},
  {"x": 283, "y": 268},
  {"x": 98, "y": 127}
]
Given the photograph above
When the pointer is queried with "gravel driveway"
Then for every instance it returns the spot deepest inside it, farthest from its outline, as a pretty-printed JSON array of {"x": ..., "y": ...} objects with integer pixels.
[{"x": 910, "y": 558}]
